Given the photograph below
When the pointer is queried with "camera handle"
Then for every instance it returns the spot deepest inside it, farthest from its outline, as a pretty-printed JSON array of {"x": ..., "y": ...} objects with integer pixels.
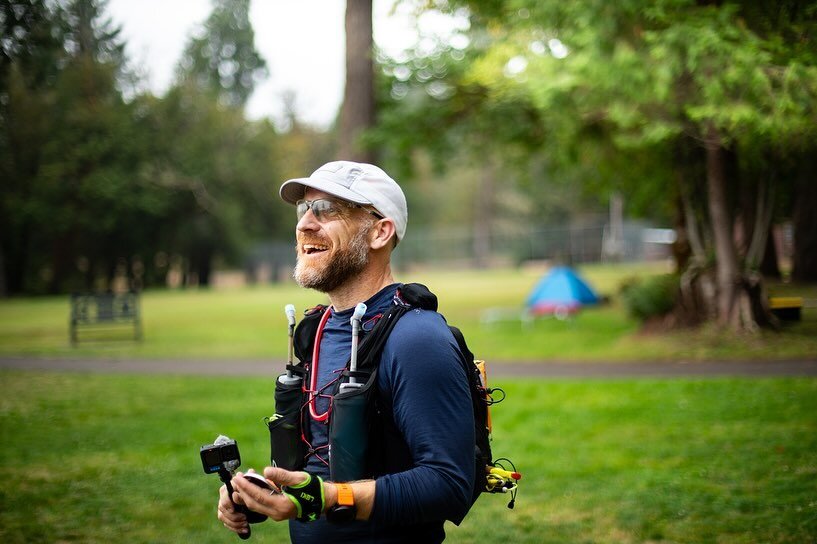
[{"x": 226, "y": 477}]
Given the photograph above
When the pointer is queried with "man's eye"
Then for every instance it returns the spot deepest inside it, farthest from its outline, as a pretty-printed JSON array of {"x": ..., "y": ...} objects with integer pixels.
[{"x": 328, "y": 209}]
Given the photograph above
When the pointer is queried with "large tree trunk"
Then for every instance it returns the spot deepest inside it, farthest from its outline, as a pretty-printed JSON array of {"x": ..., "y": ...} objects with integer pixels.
[
  {"x": 740, "y": 296},
  {"x": 727, "y": 272},
  {"x": 769, "y": 266},
  {"x": 804, "y": 265},
  {"x": 757, "y": 233},
  {"x": 358, "y": 110}
]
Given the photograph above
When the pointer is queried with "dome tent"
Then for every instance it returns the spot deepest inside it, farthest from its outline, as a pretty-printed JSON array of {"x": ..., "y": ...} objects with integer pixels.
[{"x": 560, "y": 292}]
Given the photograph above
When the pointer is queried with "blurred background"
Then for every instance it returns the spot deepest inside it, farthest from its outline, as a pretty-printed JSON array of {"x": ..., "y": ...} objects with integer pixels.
[
  {"x": 659, "y": 157},
  {"x": 142, "y": 144}
]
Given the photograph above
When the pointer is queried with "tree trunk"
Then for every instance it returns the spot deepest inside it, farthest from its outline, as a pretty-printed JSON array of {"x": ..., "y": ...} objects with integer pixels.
[
  {"x": 203, "y": 266},
  {"x": 757, "y": 205},
  {"x": 768, "y": 265},
  {"x": 3, "y": 290},
  {"x": 358, "y": 110},
  {"x": 483, "y": 217},
  {"x": 681, "y": 247},
  {"x": 727, "y": 273},
  {"x": 804, "y": 265}
]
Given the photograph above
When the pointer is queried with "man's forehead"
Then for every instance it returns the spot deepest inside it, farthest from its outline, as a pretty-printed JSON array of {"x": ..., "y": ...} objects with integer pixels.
[{"x": 314, "y": 194}]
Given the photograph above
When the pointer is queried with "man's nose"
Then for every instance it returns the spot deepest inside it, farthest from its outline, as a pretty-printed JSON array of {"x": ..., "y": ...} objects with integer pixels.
[{"x": 307, "y": 222}]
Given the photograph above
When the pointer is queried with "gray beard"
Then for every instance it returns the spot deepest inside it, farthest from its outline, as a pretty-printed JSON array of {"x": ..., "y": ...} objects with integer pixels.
[{"x": 347, "y": 263}]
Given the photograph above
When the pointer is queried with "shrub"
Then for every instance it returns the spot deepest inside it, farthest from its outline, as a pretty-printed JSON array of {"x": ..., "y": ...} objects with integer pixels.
[{"x": 650, "y": 297}]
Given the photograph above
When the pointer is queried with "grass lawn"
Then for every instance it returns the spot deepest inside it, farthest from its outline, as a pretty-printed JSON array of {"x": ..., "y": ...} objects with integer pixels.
[
  {"x": 250, "y": 323},
  {"x": 101, "y": 458}
]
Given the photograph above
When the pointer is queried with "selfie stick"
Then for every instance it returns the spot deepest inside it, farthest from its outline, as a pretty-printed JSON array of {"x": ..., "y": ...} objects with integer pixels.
[
  {"x": 225, "y": 472},
  {"x": 289, "y": 379},
  {"x": 360, "y": 309}
]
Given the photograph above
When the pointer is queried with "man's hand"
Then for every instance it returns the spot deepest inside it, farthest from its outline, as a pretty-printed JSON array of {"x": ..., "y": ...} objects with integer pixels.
[
  {"x": 234, "y": 521},
  {"x": 272, "y": 504}
]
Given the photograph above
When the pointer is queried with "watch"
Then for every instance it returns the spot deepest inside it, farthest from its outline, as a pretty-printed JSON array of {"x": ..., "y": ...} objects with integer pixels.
[{"x": 345, "y": 510}]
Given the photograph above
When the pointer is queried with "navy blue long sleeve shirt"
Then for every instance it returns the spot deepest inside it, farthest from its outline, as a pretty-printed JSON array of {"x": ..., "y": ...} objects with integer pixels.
[{"x": 422, "y": 381}]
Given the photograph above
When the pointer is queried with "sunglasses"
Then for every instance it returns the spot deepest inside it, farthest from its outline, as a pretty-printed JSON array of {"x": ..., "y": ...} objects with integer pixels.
[{"x": 325, "y": 209}]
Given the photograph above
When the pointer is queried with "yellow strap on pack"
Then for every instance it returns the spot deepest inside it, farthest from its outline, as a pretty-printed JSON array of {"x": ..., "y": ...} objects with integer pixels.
[{"x": 483, "y": 377}]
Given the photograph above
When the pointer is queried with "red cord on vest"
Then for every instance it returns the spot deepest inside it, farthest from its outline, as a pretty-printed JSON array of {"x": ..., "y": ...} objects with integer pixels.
[{"x": 313, "y": 379}]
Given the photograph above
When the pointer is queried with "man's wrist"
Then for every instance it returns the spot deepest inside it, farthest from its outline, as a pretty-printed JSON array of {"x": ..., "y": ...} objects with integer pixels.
[
  {"x": 330, "y": 495},
  {"x": 343, "y": 508},
  {"x": 309, "y": 497}
]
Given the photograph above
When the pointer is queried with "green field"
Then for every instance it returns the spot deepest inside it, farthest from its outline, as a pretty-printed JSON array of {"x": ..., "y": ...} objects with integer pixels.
[
  {"x": 101, "y": 458},
  {"x": 250, "y": 323}
]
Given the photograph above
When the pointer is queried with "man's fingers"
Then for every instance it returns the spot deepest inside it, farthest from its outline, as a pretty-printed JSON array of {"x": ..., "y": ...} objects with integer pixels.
[
  {"x": 283, "y": 477},
  {"x": 233, "y": 520},
  {"x": 238, "y": 498},
  {"x": 258, "y": 499}
]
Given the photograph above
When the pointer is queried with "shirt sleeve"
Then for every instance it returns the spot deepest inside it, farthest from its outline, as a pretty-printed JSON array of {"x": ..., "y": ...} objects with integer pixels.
[{"x": 432, "y": 409}]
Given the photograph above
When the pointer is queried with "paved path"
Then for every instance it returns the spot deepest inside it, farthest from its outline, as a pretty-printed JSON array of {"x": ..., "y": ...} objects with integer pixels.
[{"x": 495, "y": 369}]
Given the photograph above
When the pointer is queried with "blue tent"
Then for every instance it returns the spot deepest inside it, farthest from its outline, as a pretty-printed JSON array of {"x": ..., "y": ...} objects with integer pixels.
[{"x": 561, "y": 291}]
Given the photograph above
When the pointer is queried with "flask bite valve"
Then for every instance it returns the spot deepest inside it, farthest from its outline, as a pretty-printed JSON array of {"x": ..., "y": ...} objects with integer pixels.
[
  {"x": 288, "y": 378},
  {"x": 360, "y": 309}
]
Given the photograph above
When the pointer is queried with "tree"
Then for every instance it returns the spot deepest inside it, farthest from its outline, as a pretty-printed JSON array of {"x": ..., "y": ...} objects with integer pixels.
[
  {"x": 67, "y": 128},
  {"x": 96, "y": 186},
  {"x": 357, "y": 113},
  {"x": 222, "y": 59},
  {"x": 217, "y": 170},
  {"x": 526, "y": 164},
  {"x": 89, "y": 34},
  {"x": 804, "y": 267},
  {"x": 665, "y": 72},
  {"x": 29, "y": 53},
  {"x": 206, "y": 138}
]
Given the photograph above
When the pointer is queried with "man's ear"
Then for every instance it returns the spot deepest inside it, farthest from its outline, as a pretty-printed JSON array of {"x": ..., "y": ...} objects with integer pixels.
[{"x": 382, "y": 234}]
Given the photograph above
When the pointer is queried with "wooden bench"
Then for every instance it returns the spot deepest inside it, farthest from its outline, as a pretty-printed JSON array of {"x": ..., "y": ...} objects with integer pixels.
[
  {"x": 103, "y": 310},
  {"x": 786, "y": 308}
]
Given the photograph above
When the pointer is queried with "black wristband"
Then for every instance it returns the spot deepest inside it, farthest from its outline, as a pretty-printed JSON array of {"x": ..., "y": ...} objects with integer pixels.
[{"x": 307, "y": 497}]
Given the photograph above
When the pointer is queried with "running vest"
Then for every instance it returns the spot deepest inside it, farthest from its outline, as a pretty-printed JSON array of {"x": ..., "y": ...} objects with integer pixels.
[{"x": 364, "y": 441}]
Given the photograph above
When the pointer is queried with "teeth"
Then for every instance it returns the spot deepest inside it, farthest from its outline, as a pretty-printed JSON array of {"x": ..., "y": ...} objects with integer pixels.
[{"x": 313, "y": 247}]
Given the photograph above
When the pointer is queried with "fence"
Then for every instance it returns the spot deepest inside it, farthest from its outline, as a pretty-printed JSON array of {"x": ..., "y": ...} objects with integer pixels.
[{"x": 570, "y": 244}]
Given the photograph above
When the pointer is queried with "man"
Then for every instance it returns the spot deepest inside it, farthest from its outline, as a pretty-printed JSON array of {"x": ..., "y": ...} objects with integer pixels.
[{"x": 350, "y": 218}]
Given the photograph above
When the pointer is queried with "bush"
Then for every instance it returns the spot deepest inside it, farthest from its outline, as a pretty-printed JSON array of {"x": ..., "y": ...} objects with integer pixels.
[{"x": 650, "y": 297}]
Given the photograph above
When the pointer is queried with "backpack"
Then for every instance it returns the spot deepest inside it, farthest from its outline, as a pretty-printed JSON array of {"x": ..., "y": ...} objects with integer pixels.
[{"x": 357, "y": 415}]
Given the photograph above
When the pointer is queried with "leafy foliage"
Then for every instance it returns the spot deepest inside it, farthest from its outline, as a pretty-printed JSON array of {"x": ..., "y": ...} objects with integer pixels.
[
  {"x": 97, "y": 186},
  {"x": 221, "y": 59},
  {"x": 625, "y": 89},
  {"x": 650, "y": 297}
]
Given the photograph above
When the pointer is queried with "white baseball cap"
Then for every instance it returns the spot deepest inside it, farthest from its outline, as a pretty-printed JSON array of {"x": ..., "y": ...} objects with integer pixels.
[{"x": 356, "y": 182}]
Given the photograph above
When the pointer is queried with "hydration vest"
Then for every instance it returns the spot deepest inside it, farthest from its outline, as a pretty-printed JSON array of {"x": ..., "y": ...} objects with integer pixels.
[{"x": 363, "y": 439}]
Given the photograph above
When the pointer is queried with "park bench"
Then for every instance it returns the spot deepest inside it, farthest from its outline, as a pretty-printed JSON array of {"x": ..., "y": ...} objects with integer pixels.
[
  {"x": 786, "y": 308},
  {"x": 105, "y": 310}
]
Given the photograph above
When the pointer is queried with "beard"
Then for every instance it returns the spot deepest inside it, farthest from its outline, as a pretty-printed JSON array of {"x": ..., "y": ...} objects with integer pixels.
[{"x": 347, "y": 262}]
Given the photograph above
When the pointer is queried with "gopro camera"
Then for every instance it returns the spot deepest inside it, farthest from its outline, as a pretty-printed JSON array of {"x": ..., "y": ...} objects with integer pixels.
[
  {"x": 222, "y": 454},
  {"x": 222, "y": 458}
]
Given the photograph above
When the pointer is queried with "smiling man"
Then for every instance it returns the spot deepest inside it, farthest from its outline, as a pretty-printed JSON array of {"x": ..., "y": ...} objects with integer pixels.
[{"x": 351, "y": 216}]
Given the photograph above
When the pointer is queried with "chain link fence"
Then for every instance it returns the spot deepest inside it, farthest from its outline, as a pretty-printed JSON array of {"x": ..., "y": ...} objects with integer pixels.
[{"x": 588, "y": 242}]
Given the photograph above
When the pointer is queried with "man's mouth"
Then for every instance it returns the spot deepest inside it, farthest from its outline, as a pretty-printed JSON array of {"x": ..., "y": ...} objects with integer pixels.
[{"x": 312, "y": 249}]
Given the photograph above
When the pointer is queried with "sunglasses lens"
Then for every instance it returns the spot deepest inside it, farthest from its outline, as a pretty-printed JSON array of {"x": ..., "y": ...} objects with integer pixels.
[
  {"x": 323, "y": 210},
  {"x": 300, "y": 208}
]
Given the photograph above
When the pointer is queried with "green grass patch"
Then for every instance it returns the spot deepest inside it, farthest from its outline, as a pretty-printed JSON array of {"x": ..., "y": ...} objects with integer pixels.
[
  {"x": 97, "y": 458},
  {"x": 250, "y": 323}
]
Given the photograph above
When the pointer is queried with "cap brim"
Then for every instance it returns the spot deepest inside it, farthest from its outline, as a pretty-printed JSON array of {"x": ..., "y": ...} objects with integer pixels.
[{"x": 293, "y": 190}]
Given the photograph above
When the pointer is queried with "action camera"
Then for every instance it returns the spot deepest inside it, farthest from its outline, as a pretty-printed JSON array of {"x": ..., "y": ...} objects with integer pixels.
[{"x": 220, "y": 455}]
